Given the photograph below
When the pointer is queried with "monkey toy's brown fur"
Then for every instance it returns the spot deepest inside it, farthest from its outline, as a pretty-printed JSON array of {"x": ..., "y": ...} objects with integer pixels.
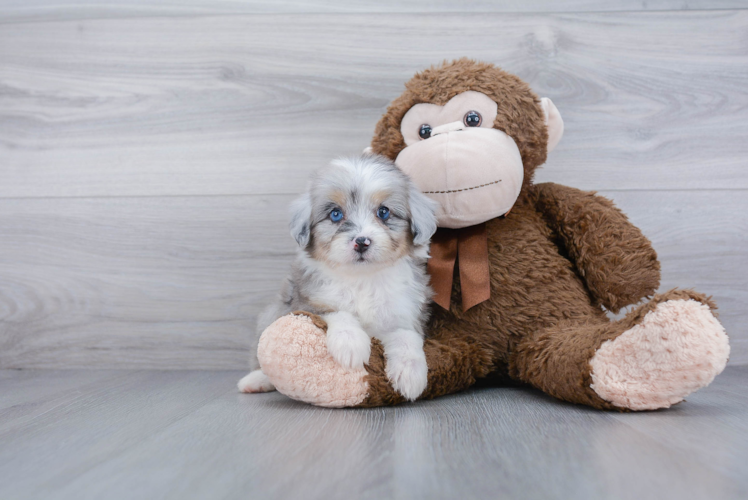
[{"x": 558, "y": 259}]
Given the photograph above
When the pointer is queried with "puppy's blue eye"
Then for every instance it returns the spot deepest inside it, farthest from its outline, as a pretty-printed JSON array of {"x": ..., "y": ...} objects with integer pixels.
[
  {"x": 383, "y": 213},
  {"x": 336, "y": 215}
]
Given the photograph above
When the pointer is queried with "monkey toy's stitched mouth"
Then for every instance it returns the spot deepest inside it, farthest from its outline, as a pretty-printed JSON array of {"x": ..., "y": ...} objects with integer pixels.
[
  {"x": 463, "y": 189},
  {"x": 474, "y": 176}
]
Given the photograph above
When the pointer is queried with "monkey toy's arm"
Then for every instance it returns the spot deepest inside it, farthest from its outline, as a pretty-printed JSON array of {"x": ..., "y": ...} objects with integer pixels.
[{"x": 614, "y": 258}]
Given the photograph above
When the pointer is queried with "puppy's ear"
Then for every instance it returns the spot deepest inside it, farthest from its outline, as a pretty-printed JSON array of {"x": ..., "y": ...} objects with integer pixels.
[
  {"x": 301, "y": 219},
  {"x": 422, "y": 216}
]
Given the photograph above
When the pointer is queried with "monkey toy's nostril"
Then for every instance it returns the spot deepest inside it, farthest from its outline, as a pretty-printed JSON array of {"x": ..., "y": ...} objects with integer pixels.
[{"x": 362, "y": 244}]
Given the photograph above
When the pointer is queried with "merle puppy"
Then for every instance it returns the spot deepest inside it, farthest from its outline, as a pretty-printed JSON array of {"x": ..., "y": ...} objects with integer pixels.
[{"x": 363, "y": 230}]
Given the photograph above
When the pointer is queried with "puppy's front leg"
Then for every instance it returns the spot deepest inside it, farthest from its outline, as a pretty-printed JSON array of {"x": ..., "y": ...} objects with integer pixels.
[
  {"x": 348, "y": 344},
  {"x": 406, "y": 362}
]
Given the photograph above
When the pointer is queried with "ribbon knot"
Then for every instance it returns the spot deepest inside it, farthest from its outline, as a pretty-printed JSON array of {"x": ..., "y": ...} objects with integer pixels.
[{"x": 470, "y": 245}]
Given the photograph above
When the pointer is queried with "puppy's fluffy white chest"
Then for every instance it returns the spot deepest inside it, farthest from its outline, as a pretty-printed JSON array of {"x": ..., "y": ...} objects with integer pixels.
[{"x": 382, "y": 300}]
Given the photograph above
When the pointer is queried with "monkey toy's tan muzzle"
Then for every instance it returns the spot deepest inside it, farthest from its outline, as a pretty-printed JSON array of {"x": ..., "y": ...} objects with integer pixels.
[{"x": 474, "y": 173}]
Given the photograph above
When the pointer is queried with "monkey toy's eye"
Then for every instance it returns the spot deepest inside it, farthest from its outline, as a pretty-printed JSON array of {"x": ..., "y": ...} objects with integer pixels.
[
  {"x": 383, "y": 213},
  {"x": 472, "y": 119},
  {"x": 425, "y": 131},
  {"x": 336, "y": 215}
]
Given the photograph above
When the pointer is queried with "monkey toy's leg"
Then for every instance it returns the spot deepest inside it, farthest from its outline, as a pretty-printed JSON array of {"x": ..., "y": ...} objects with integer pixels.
[
  {"x": 454, "y": 365},
  {"x": 653, "y": 358},
  {"x": 293, "y": 354}
]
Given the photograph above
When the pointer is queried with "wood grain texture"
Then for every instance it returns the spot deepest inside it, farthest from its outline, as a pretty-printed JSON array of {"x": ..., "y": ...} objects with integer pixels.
[
  {"x": 148, "y": 153},
  {"x": 250, "y": 104},
  {"x": 51, "y": 10},
  {"x": 176, "y": 282},
  {"x": 186, "y": 435},
  {"x": 124, "y": 282}
]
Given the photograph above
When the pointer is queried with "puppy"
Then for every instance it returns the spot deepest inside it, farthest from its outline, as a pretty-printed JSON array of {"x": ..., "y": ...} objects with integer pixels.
[{"x": 363, "y": 230}]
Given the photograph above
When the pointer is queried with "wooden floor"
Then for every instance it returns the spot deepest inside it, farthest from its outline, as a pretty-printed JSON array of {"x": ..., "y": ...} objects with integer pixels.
[{"x": 188, "y": 434}]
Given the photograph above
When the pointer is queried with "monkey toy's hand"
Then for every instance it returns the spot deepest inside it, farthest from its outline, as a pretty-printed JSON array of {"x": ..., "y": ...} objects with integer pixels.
[{"x": 616, "y": 261}]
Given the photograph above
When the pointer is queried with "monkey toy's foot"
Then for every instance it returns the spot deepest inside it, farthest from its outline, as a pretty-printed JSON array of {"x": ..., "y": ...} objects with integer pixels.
[
  {"x": 676, "y": 348},
  {"x": 293, "y": 354}
]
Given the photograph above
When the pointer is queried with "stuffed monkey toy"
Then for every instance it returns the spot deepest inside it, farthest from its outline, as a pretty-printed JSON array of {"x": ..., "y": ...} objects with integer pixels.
[{"x": 523, "y": 272}]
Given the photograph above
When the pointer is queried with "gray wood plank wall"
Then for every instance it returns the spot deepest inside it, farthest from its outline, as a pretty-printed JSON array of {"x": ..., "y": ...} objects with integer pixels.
[{"x": 148, "y": 154}]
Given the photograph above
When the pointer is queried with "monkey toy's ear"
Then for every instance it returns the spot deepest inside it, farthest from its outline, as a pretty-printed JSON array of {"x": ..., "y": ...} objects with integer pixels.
[
  {"x": 553, "y": 121},
  {"x": 301, "y": 219}
]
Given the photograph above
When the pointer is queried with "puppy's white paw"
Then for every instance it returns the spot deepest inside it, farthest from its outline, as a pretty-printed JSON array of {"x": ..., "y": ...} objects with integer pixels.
[
  {"x": 408, "y": 373},
  {"x": 350, "y": 347},
  {"x": 256, "y": 381}
]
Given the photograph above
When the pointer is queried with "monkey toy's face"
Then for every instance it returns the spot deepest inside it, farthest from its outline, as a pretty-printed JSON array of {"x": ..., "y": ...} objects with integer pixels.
[
  {"x": 470, "y": 136},
  {"x": 456, "y": 157}
]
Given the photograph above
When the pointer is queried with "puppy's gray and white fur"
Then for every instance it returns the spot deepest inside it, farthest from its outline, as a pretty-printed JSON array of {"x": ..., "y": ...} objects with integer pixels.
[{"x": 365, "y": 274}]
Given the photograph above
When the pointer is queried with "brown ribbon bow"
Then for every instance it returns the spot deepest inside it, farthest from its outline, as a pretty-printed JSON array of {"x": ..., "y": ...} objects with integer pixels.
[{"x": 471, "y": 245}]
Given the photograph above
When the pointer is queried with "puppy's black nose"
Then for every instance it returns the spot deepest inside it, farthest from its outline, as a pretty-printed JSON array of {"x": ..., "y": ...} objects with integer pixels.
[{"x": 362, "y": 244}]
